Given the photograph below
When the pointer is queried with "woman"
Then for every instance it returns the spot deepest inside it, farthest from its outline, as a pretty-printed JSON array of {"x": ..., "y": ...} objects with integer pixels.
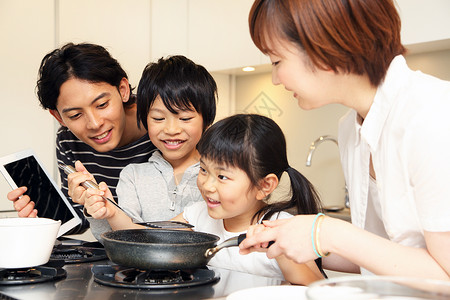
[{"x": 393, "y": 141}]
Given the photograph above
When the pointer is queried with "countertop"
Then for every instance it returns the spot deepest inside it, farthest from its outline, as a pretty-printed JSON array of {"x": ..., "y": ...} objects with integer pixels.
[
  {"x": 80, "y": 284},
  {"x": 343, "y": 214}
]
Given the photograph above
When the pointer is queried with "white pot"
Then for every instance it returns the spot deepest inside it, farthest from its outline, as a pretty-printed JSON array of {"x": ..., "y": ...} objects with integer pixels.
[{"x": 26, "y": 242}]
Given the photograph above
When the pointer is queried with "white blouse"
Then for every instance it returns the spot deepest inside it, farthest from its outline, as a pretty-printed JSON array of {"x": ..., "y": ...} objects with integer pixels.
[{"x": 407, "y": 131}]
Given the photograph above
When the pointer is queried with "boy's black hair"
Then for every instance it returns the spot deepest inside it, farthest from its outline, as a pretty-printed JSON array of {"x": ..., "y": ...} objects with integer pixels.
[
  {"x": 256, "y": 145},
  {"x": 84, "y": 61},
  {"x": 181, "y": 84}
]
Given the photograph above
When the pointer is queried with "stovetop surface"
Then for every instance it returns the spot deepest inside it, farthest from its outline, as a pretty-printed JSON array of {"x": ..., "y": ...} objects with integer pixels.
[{"x": 80, "y": 284}]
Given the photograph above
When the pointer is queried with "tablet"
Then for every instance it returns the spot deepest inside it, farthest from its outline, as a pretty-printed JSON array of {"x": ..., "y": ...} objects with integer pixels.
[{"x": 24, "y": 169}]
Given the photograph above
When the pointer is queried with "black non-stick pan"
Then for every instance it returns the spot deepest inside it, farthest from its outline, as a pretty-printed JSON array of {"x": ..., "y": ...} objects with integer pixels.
[{"x": 163, "y": 249}]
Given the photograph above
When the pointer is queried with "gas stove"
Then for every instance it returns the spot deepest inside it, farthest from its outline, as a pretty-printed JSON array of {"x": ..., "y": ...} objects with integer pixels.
[
  {"x": 81, "y": 270},
  {"x": 81, "y": 283}
]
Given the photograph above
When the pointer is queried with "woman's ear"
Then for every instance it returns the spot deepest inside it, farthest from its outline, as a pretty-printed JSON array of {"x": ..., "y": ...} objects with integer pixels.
[
  {"x": 267, "y": 186},
  {"x": 124, "y": 89},
  {"x": 57, "y": 116}
]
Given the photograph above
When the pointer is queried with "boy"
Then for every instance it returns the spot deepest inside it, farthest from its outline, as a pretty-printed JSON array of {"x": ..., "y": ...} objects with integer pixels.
[{"x": 176, "y": 102}]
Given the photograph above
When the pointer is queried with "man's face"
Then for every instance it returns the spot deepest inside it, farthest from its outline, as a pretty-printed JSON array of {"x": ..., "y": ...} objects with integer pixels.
[{"x": 93, "y": 112}]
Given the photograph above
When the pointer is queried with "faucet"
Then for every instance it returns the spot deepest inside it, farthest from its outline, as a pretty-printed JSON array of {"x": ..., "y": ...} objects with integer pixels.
[
  {"x": 316, "y": 143},
  {"x": 313, "y": 147}
]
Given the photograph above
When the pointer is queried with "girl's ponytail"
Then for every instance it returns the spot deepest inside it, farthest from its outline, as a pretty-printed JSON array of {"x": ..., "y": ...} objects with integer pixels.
[{"x": 304, "y": 196}]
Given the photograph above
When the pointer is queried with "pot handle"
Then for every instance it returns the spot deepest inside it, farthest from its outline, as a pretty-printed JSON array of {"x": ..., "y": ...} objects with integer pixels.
[{"x": 234, "y": 241}]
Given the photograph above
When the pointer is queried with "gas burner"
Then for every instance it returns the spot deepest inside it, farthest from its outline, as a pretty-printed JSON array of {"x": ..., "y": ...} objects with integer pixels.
[
  {"x": 33, "y": 275},
  {"x": 75, "y": 251},
  {"x": 124, "y": 277},
  {"x": 77, "y": 254},
  {"x": 152, "y": 277}
]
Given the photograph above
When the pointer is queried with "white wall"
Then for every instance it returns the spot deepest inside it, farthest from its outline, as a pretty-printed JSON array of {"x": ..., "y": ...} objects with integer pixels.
[{"x": 27, "y": 34}]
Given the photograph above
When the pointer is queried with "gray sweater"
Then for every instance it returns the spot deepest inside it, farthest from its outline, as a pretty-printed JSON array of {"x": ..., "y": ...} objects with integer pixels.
[{"x": 148, "y": 192}]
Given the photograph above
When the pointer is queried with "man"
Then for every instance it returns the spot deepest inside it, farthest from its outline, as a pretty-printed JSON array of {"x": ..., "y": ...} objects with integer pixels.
[{"x": 88, "y": 92}]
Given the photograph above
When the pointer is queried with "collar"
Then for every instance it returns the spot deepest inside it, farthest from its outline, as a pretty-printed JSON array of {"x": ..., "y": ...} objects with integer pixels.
[
  {"x": 165, "y": 167},
  {"x": 385, "y": 98}
]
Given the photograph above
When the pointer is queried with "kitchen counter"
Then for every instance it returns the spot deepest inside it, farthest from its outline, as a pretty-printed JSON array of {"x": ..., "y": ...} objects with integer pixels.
[
  {"x": 343, "y": 214},
  {"x": 80, "y": 284}
]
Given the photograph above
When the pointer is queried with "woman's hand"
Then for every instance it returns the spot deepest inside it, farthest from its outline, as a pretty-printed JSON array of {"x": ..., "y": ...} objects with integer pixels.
[
  {"x": 76, "y": 191},
  {"x": 22, "y": 203},
  {"x": 292, "y": 238},
  {"x": 255, "y": 230},
  {"x": 96, "y": 205}
]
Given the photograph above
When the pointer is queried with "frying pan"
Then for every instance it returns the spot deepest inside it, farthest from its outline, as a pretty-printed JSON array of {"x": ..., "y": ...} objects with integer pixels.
[{"x": 163, "y": 249}]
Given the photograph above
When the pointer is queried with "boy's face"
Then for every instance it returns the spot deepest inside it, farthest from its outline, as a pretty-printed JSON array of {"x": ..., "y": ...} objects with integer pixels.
[
  {"x": 94, "y": 112},
  {"x": 175, "y": 135}
]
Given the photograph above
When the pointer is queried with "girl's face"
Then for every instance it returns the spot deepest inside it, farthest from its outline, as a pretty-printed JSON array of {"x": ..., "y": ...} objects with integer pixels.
[
  {"x": 228, "y": 193},
  {"x": 94, "y": 112},
  {"x": 175, "y": 135},
  {"x": 291, "y": 67}
]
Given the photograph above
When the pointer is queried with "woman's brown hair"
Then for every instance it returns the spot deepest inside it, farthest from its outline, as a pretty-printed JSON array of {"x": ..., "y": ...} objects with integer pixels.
[{"x": 353, "y": 36}]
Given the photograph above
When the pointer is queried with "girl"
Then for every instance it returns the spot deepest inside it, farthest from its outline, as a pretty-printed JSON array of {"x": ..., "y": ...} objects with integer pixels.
[
  {"x": 242, "y": 160},
  {"x": 393, "y": 144}
]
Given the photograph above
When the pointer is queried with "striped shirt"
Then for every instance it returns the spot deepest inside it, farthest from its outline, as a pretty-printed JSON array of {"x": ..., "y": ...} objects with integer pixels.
[{"x": 104, "y": 166}]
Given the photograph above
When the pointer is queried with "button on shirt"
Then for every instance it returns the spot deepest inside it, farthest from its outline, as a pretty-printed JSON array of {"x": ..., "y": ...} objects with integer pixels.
[{"x": 407, "y": 132}]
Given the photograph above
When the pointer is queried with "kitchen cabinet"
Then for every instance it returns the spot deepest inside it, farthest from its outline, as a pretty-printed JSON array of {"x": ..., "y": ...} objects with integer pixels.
[
  {"x": 169, "y": 28},
  {"x": 212, "y": 33},
  {"x": 27, "y": 34},
  {"x": 123, "y": 27},
  {"x": 219, "y": 36},
  {"x": 424, "y": 21}
]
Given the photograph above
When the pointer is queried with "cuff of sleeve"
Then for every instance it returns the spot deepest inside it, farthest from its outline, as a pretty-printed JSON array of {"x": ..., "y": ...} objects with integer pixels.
[{"x": 86, "y": 214}]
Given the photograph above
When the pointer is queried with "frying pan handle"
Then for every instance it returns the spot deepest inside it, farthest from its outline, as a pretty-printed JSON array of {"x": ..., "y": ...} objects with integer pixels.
[
  {"x": 243, "y": 236},
  {"x": 234, "y": 241}
]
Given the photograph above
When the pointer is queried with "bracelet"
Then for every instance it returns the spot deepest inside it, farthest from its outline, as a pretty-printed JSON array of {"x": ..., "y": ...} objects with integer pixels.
[
  {"x": 312, "y": 234},
  {"x": 319, "y": 222}
]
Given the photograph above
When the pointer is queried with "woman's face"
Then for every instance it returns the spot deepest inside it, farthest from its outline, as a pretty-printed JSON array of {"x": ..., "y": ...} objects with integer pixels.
[
  {"x": 93, "y": 112},
  {"x": 291, "y": 67}
]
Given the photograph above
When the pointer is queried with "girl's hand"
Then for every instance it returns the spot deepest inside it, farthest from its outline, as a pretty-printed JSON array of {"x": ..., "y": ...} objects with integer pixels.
[
  {"x": 95, "y": 205},
  {"x": 76, "y": 191},
  {"x": 292, "y": 238}
]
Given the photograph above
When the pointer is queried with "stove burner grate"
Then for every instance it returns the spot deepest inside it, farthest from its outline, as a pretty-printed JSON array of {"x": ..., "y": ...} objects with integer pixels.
[
  {"x": 152, "y": 277},
  {"x": 77, "y": 254},
  {"x": 118, "y": 276},
  {"x": 31, "y": 275}
]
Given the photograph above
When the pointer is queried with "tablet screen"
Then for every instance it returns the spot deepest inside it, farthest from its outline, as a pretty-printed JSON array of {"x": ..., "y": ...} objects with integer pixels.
[{"x": 49, "y": 200}]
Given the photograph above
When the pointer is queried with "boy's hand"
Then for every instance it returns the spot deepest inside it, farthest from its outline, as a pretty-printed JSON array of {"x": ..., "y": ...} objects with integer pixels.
[{"x": 96, "y": 205}]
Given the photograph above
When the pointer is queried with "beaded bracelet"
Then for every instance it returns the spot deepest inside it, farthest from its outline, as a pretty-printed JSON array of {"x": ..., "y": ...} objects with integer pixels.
[
  {"x": 313, "y": 235},
  {"x": 319, "y": 222}
]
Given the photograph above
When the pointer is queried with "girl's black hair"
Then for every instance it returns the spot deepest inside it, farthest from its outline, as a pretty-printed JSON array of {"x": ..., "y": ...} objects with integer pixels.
[
  {"x": 84, "y": 61},
  {"x": 181, "y": 84},
  {"x": 256, "y": 145}
]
